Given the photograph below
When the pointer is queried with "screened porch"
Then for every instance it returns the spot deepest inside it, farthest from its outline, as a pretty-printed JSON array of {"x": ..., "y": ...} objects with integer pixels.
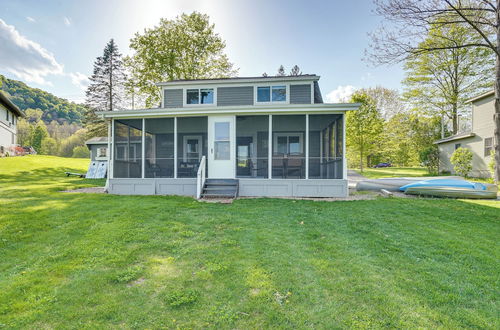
[{"x": 305, "y": 146}]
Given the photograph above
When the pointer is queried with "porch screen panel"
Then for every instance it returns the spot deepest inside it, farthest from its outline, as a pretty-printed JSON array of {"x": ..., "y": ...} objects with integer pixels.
[
  {"x": 192, "y": 144},
  {"x": 159, "y": 148},
  {"x": 252, "y": 135},
  {"x": 325, "y": 146},
  {"x": 127, "y": 148},
  {"x": 288, "y": 153}
]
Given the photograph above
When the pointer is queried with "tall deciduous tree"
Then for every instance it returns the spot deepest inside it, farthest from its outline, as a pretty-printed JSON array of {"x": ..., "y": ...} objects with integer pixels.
[
  {"x": 363, "y": 127},
  {"x": 186, "y": 47},
  {"x": 441, "y": 82},
  {"x": 412, "y": 20},
  {"x": 106, "y": 89}
]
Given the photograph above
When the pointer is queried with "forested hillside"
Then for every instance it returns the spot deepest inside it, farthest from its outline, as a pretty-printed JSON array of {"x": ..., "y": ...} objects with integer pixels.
[{"x": 53, "y": 107}]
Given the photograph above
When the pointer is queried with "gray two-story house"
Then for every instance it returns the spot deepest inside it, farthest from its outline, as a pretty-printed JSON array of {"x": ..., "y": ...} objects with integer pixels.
[
  {"x": 480, "y": 139},
  {"x": 257, "y": 136}
]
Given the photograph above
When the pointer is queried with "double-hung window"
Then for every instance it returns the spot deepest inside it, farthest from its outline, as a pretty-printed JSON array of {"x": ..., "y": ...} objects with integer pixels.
[
  {"x": 488, "y": 146},
  {"x": 200, "y": 96},
  {"x": 288, "y": 143},
  {"x": 270, "y": 94}
]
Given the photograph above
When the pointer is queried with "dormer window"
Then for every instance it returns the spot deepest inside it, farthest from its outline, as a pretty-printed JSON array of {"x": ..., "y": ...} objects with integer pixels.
[
  {"x": 269, "y": 94},
  {"x": 200, "y": 96}
]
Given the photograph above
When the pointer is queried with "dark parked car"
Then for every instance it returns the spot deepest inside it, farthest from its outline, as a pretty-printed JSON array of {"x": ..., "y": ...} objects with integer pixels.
[{"x": 382, "y": 165}]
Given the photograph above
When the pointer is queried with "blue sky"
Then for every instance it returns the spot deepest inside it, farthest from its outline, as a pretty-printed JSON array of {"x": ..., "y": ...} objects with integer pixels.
[{"x": 53, "y": 44}]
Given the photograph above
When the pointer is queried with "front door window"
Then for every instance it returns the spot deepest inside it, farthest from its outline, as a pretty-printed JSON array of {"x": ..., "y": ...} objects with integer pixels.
[{"x": 221, "y": 141}]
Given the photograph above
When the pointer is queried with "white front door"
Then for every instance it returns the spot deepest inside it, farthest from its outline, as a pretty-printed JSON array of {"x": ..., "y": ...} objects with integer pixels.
[{"x": 221, "y": 147}]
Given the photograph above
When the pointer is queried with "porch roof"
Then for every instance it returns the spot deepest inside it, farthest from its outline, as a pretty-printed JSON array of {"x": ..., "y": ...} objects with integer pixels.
[{"x": 316, "y": 108}]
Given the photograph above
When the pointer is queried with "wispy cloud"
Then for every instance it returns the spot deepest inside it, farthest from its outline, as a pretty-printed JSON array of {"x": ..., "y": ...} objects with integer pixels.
[
  {"x": 79, "y": 79},
  {"x": 25, "y": 58},
  {"x": 340, "y": 94},
  {"x": 67, "y": 21},
  {"x": 30, "y": 19}
]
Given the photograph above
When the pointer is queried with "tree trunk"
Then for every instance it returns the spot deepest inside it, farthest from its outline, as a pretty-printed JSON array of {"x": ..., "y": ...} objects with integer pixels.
[
  {"x": 361, "y": 160},
  {"x": 454, "y": 119},
  {"x": 496, "y": 116},
  {"x": 111, "y": 83}
]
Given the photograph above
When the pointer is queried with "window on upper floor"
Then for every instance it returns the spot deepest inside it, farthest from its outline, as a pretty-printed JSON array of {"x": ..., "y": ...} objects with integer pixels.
[
  {"x": 266, "y": 94},
  {"x": 200, "y": 96},
  {"x": 488, "y": 146}
]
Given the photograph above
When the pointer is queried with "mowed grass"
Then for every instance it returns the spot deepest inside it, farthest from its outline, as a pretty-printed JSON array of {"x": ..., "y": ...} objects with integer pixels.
[
  {"x": 388, "y": 172},
  {"x": 104, "y": 261}
]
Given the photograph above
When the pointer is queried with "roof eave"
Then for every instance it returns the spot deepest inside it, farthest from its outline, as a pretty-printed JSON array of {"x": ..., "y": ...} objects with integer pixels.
[
  {"x": 239, "y": 80},
  {"x": 340, "y": 107},
  {"x": 454, "y": 138},
  {"x": 11, "y": 105},
  {"x": 482, "y": 96}
]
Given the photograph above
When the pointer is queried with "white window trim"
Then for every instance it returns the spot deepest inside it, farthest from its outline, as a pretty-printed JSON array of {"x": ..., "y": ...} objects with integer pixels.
[
  {"x": 287, "y": 96},
  {"x": 199, "y": 88},
  {"x": 288, "y": 134},
  {"x": 105, "y": 157},
  {"x": 184, "y": 144},
  {"x": 126, "y": 152}
]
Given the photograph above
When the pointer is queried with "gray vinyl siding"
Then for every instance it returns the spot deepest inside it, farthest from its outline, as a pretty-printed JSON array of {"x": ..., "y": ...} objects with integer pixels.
[
  {"x": 300, "y": 94},
  {"x": 172, "y": 98},
  {"x": 317, "y": 93},
  {"x": 230, "y": 96}
]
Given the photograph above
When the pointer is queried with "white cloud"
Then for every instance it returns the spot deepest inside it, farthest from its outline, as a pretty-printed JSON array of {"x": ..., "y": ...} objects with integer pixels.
[
  {"x": 79, "y": 79},
  {"x": 340, "y": 94},
  {"x": 67, "y": 21},
  {"x": 30, "y": 19},
  {"x": 24, "y": 58}
]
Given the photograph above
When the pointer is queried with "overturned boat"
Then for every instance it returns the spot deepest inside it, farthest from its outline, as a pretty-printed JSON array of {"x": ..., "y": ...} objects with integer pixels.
[{"x": 451, "y": 188}]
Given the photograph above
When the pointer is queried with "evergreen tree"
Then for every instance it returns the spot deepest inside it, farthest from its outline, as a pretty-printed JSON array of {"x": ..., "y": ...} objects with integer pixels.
[
  {"x": 106, "y": 89},
  {"x": 39, "y": 134},
  {"x": 295, "y": 71},
  {"x": 281, "y": 71}
]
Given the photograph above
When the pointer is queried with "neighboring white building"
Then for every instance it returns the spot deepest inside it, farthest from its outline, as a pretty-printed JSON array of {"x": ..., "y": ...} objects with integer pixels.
[
  {"x": 480, "y": 140},
  {"x": 9, "y": 114}
]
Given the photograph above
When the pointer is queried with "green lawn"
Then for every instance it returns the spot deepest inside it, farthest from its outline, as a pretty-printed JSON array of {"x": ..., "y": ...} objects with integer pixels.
[
  {"x": 388, "y": 172},
  {"x": 100, "y": 261}
]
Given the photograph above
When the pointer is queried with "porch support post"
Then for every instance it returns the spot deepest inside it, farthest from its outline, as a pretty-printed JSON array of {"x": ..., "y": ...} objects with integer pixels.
[
  {"x": 344, "y": 153},
  {"x": 143, "y": 144},
  {"x": 175, "y": 147},
  {"x": 307, "y": 146},
  {"x": 270, "y": 149},
  {"x": 112, "y": 151}
]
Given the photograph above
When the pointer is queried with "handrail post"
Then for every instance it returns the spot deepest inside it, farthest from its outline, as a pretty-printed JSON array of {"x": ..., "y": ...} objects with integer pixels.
[{"x": 200, "y": 177}]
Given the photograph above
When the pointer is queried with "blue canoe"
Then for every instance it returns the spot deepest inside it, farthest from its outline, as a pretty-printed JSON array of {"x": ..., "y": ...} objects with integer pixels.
[{"x": 450, "y": 183}]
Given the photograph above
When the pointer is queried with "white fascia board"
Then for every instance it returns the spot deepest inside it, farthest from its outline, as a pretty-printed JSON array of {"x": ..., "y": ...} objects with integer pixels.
[
  {"x": 230, "y": 81},
  {"x": 288, "y": 108}
]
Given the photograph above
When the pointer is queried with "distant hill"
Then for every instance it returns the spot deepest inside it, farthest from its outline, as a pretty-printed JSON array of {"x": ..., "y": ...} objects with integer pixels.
[{"x": 53, "y": 107}]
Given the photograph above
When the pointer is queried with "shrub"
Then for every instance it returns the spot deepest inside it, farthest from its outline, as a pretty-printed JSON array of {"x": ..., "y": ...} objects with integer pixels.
[
  {"x": 462, "y": 161},
  {"x": 81, "y": 152},
  {"x": 430, "y": 158},
  {"x": 49, "y": 146},
  {"x": 491, "y": 164}
]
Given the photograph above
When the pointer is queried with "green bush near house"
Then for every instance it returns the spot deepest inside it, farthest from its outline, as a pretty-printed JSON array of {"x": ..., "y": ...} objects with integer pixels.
[{"x": 462, "y": 161}]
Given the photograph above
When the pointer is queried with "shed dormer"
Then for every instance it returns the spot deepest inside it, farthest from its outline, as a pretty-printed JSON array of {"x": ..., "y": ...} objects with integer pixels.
[{"x": 242, "y": 91}]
